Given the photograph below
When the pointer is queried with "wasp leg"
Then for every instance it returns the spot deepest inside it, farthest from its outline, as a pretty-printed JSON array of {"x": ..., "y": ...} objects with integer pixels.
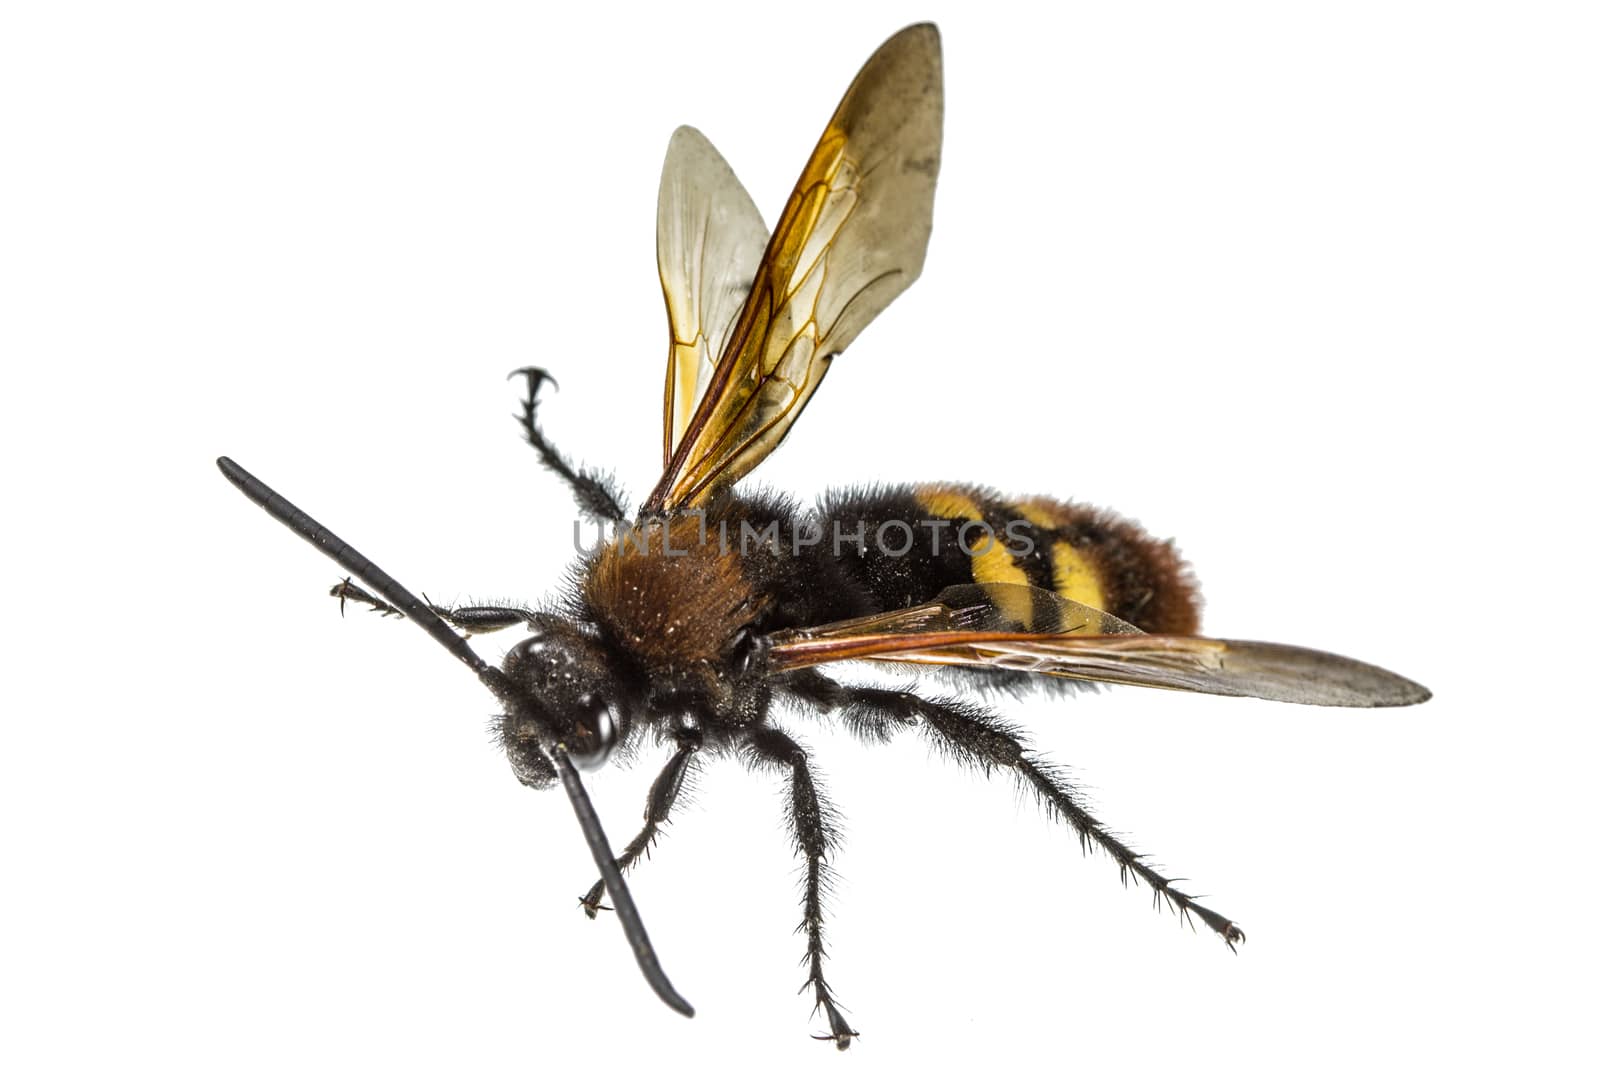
[
  {"x": 979, "y": 739},
  {"x": 595, "y": 494},
  {"x": 811, "y": 822},
  {"x": 469, "y": 619},
  {"x": 349, "y": 592},
  {"x": 657, "y": 810},
  {"x": 485, "y": 618}
]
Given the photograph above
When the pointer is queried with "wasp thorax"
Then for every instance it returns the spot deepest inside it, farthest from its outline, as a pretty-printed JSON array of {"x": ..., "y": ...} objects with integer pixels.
[
  {"x": 563, "y": 692},
  {"x": 727, "y": 690}
]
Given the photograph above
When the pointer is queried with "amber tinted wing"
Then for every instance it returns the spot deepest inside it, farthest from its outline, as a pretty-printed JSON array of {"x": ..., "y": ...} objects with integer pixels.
[
  {"x": 1022, "y": 628},
  {"x": 709, "y": 239},
  {"x": 851, "y": 238}
]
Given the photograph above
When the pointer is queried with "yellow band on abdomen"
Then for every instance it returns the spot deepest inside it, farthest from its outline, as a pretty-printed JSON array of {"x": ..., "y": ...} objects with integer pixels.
[
  {"x": 990, "y": 560},
  {"x": 1074, "y": 576}
]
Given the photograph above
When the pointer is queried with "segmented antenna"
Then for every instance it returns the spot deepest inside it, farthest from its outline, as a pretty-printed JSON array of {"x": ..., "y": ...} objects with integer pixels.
[{"x": 376, "y": 579}]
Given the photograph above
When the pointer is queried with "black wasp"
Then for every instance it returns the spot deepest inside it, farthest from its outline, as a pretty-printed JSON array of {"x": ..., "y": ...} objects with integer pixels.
[{"x": 691, "y": 622}]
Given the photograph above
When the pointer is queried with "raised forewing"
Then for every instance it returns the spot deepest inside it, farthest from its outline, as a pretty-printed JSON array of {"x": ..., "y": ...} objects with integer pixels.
[
  {"x": 1022, "y": 628},
  {"x": 851, "y": 238},
  {"x": 709, "y": 239}
]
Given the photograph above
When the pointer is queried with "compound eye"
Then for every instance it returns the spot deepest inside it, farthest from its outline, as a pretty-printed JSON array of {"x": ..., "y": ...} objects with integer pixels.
[{"x": 594, "y": 732}]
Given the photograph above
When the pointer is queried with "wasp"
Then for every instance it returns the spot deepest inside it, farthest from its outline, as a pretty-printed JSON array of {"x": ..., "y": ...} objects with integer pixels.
[{"x": 697, "y": 620}]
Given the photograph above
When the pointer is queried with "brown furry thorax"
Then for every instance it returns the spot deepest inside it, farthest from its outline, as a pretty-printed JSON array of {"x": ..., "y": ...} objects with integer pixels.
[{"x": 670, "y": 596}]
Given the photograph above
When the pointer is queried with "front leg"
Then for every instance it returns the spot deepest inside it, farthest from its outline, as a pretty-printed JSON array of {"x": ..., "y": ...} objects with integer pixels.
[
  {"x": 469, "y": 619},
  {"x": 595, "y": 495},
  {"x": 657, "y": 810},
  {"x": 814, "y": 836}
]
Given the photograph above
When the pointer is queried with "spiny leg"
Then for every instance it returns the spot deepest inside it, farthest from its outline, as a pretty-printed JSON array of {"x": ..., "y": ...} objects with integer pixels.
[
  {"x": 657, "y": 810},
  {"x": 595, "y": 495},
  {"x": 979, "y": 739},
  {"x": 814, "y": 837},
  {"x": 470, "y": 619}
]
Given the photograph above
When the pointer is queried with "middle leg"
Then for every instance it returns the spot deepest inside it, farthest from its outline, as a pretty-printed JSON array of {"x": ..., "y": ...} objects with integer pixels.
[{"x": 814, "y": 836}]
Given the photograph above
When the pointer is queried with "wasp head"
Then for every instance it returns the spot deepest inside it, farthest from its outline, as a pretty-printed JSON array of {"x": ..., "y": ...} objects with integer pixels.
[{"x": 563, "y": 691}]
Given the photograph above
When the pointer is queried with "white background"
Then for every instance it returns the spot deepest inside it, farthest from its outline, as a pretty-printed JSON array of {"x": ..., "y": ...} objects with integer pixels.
[{"x": 1308, "y": 290}]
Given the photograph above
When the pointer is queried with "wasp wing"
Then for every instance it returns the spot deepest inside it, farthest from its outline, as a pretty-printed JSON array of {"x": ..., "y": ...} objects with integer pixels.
[
  {"x": 1022, "y": 628},
  {"x": 851, "y": 238},
  {"x": 709, "y": 239}
]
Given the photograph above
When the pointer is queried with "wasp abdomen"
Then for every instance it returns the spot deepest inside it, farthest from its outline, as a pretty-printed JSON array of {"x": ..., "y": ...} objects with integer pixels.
[{"x": 905, "y": 544}]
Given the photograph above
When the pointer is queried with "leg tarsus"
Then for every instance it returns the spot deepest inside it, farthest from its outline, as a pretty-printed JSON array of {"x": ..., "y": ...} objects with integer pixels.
[
  {"x": 841, "y": 1034},
  {"x": 347, "y": 590},
  {"x": 1058, "y": 795},
  {"x": 814, "y": 837},
  {"x": 594, "y": 494},
  {"x": 536, "y": 376}
]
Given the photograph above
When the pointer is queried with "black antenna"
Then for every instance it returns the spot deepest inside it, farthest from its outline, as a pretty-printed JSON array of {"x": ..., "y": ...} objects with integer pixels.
[
  {"x": 374, "y": 577},
  {"x": 621, "y": 900}
]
